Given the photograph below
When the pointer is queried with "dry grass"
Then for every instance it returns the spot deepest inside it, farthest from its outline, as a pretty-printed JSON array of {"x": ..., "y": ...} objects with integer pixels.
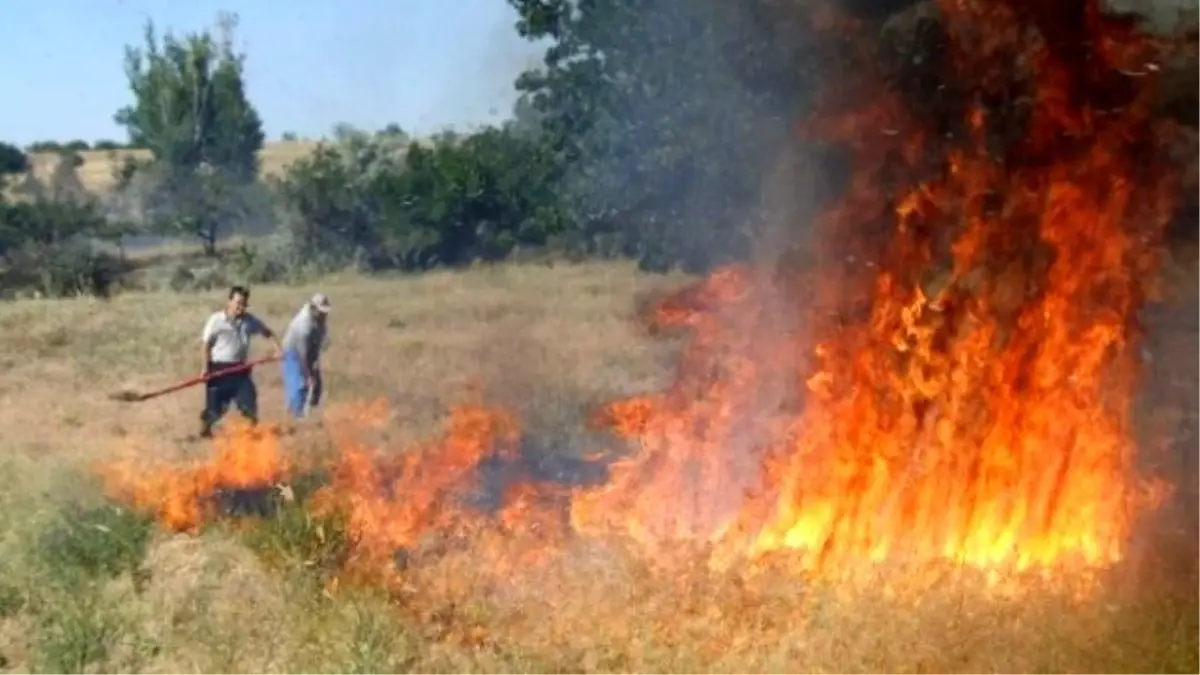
[
  {"x": 551, "y": 341},
  {"x": 96, "y": 172}
]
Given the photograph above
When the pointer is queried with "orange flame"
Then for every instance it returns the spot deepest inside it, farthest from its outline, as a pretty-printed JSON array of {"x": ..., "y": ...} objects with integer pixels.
[
  {"x": 392, "y": 501},
  {"x": 973, "y": 410},
  {"x": 181, "y": 497}
]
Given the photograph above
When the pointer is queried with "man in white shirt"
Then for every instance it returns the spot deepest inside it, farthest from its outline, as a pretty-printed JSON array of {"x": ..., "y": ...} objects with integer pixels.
[
  {"x": 226, "y": 342},
  {"x": 305, "y": 338}
]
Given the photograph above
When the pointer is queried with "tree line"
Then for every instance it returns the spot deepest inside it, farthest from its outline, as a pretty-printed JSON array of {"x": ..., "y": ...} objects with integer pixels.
[{"x": 645, "y": 133}]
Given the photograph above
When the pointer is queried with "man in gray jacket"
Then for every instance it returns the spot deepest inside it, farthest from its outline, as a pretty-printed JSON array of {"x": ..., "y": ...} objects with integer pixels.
[{"x": 306, "y": 337}]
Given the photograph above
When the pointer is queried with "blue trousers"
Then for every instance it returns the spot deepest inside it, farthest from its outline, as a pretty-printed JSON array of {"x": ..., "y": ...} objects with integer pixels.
[{"x": 294, "y": 388}]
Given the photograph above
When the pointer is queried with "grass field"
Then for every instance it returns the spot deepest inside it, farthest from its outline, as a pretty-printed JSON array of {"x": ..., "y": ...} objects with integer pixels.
[
  {"x": 96, "y": 172},
  {"x": 87, "y": 587}
]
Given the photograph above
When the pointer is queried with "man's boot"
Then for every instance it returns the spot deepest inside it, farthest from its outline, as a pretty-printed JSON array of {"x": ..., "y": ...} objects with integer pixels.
[{"x": 206, "y": 425}]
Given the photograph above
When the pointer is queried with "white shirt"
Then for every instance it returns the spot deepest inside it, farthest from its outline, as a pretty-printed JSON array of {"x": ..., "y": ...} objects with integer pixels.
[{"x": 231, "y": 337}]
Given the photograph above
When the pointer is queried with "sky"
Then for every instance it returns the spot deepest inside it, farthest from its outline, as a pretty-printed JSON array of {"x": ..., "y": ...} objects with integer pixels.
[{"x": 425, "y": 65}]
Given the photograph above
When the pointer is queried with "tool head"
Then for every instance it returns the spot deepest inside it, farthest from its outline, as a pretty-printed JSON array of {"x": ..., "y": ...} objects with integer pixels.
[{"x": 127, "y": 396}]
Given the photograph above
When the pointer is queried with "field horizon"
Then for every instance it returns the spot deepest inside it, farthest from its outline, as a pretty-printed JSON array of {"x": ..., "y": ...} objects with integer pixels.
[{"x": 96, "y": 172}]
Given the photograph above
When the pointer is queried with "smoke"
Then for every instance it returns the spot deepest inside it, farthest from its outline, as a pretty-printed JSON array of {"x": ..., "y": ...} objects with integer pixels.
[
  {"x": 697, "y": 99},
  {"x": 1162, "y": 17},
  {"x": 695, "y": 150},
  {"x": 479, "y": 74}
]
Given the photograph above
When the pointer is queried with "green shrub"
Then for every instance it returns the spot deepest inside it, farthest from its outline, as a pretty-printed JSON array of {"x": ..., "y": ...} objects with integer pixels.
[
  {"x": 271, "y": 260},
  {"x": 71, "y": 268}
]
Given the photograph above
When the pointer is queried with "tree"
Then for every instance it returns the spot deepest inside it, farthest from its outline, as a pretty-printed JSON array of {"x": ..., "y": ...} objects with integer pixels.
[
  {"x": 12, "y": 160},
  {"x": 393, "y": 132},
  {"x": 667, "y": 113},
  {"x": 457, "y": 199},
  {"x": 526, "y": 119},
  {"x": 44, "y": 146},
  {"x": 472, "y": 197},
  {"x": 329, "y": 195},
  {"x": 190, "y": 110},
  {"x": 48, "y": 245},
  {"x": 330, "y": 213}
]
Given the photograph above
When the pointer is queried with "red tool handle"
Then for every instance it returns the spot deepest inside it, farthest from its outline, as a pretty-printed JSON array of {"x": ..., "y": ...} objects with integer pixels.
[{"x": 205, "y": 378}]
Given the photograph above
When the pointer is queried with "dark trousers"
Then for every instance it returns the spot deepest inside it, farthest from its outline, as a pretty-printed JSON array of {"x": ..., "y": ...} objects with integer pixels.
[{"x": 235, "y": 388}]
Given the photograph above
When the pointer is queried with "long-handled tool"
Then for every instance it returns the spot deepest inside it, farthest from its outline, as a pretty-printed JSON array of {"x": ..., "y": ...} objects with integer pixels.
[{"x": 137, "y": 397}]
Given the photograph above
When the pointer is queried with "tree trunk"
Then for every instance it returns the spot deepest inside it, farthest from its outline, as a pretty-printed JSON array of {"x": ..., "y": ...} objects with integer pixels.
[{"x": 207, "y": 231}]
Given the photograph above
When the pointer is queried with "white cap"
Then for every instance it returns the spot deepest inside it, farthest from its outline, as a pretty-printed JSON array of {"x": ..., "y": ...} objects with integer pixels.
[{"x": 320, "y": 302}]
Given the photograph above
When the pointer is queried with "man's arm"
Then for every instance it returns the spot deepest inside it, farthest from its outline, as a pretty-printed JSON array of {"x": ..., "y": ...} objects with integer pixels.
[
  {"x": 265, "y": 331},
  {"x": 207, "y": 339}
]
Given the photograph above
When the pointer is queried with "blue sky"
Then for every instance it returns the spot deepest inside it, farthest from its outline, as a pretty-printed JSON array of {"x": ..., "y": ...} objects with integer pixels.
[{"x": 423, "y": 64}]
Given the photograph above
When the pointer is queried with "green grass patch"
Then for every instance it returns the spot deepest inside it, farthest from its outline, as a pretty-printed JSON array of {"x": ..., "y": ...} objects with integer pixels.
[
  {"x": 74, "y": 634},
  {"x": 377, "y": 642},
  {"x": 12, "y": 600},
  {"x": 292, "y": 536},
  {"x": 74, "y": 563},
  {"x": 93, "y": 542}
]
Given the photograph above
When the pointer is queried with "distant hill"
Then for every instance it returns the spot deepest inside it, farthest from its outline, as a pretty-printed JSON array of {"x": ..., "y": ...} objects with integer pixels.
[{"x": 96, "y": 172}]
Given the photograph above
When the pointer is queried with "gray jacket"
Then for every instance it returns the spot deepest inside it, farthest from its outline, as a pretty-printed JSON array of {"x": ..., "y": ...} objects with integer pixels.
[{"x": 306, "y": 337}]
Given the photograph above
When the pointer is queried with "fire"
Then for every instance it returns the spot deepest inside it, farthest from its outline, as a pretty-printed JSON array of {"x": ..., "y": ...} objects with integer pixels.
[
  {"x": 981, "y": 413},
  {"x": 970, "y": 400},
  {"x": 394, "y": 501},
  {"x": 183, "y": 497},
  {"x": 950, "y": 384}
]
